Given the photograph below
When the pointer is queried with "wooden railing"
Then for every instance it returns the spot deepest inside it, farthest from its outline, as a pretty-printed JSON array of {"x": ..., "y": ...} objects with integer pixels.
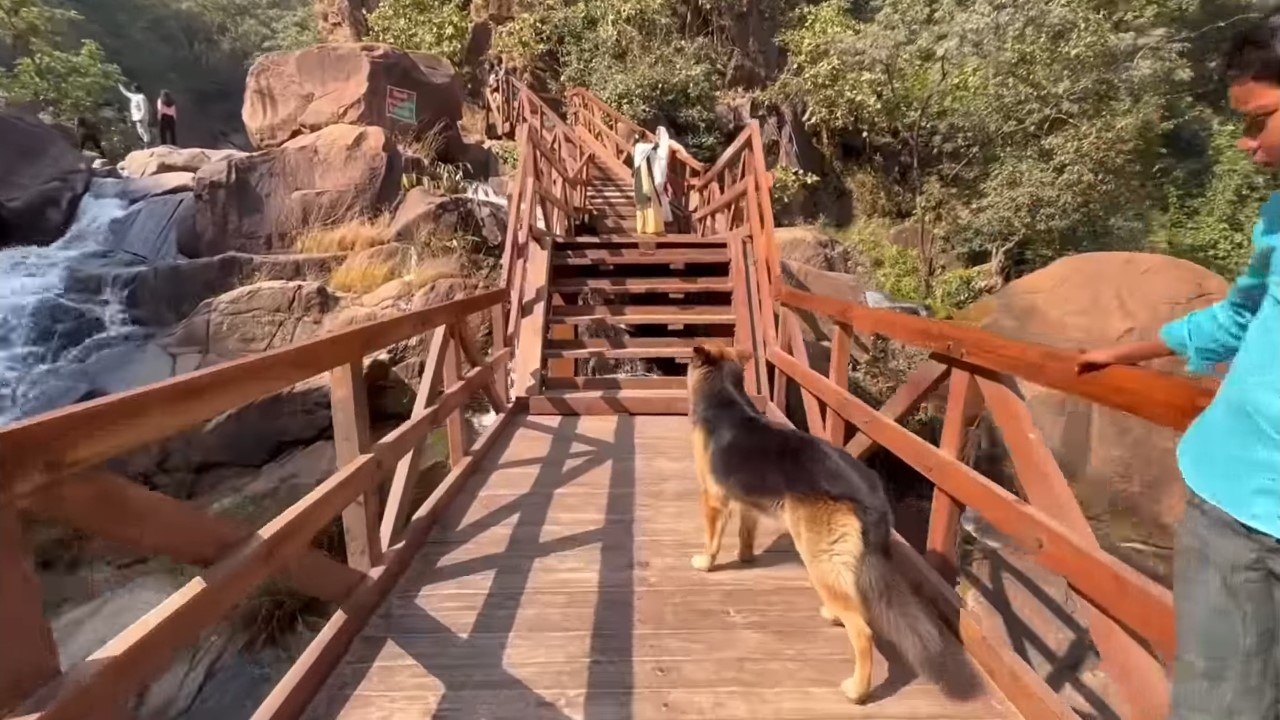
[
  {"x": 731, "y": 198},
  {"x": 545, "y": 200},
  {"x": 618, "y": 135},
  {"x": 51, "y": 469},
  {"x": 1130, "y": 616}
]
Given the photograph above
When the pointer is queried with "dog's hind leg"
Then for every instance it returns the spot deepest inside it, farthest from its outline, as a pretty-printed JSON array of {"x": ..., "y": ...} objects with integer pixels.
[
  {"x": 747, "y": 520},
  {"x": 715, "y": 511},
  {"x": 835, "y": 588}
]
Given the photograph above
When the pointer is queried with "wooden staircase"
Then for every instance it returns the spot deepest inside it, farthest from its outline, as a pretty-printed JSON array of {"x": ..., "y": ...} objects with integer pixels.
[{"x": 626, "y": 310}]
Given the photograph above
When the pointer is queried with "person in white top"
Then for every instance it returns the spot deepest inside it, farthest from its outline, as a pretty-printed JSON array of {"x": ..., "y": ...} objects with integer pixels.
[
  {"x": 138, "y": 112},
  {"x": 167, "y": 111}
]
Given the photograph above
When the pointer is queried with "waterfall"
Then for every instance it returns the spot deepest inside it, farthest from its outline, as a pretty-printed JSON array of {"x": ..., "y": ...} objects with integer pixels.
[{"x": 49, "y": 328}]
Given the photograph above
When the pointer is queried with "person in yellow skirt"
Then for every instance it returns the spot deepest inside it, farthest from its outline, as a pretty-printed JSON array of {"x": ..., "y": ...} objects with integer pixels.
[{"x": 653, "y": 208}]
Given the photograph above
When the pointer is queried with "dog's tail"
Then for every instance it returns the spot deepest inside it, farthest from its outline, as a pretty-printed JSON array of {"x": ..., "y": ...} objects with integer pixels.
[{"x": 897, "y": 614}]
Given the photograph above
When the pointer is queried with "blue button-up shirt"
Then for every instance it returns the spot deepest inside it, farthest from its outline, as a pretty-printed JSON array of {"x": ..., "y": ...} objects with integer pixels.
[{"x": 1230, "y": 455}]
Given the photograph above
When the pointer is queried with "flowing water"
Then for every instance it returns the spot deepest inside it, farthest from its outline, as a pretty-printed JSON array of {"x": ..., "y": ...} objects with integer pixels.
[{"x": 51, "y": 333}]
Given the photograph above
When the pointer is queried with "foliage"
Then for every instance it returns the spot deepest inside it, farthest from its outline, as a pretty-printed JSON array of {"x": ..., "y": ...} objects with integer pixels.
[
  {"x": 899, "y": 272},
  {"x": 66, "y": 81},
  {"x": 198, "y": 49},
  {"x": 789, "y": 182},
  {"x": 1024, "y": 126},
  {"x": 1212, "y": 211},
  {"x": 644, "y": 57},
  {"x": 440, "y": 27}
]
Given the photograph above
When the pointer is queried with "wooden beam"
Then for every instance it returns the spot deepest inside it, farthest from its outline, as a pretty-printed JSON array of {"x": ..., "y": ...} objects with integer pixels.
[
  {"x": 410, "y": 466},
  {"x": 455, "y": 428},
  {"x": 28, "y": 654},
  {"x": 532, "y": 314},
  {"x": 38, "y": 449},
  {"x": 1022, "y": 687},
  {"x": 838, "y": 373},
  {"x": 1122, "y": 592},
  {"x": 963, "y": 409},
  {"x": 116, "y": 509},
  {"x": 812, "y": 410},
  {"x": 349, "y": 400},
  {"x": 1164, "y": 399},
  {"x": 119, "y": 669},
  {"x": 300, "y": 685},
  {"x": 1139, "y": 676},
  {"x": 919, "y": 384},
  {"x": 617, "y": 402}
]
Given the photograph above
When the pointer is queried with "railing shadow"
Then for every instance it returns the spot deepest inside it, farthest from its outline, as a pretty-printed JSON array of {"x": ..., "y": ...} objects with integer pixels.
[
  {"x": 1064, "y": 666},
  {"x": 471, "y": 666}
]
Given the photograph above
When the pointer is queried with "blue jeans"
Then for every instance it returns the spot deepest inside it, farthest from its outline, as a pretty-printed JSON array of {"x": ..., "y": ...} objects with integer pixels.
[{"x": 1226, "y": 592}]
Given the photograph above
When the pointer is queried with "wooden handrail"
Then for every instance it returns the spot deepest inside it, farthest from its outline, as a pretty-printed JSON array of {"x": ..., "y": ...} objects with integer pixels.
[
  {"x": 37, "y": 449},
  {"x": 1169, "y": 400},
  {"x": 591, "y": 98}
]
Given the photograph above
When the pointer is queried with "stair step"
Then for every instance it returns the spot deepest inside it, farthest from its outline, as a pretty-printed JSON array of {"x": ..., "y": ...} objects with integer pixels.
[
  {"x": 615, "y": 402},
  {"x": 642, "y": 314},
  {"x": 625, "y": 348},
  {"x": 635, "y": 256},
  {"x": 610, "y": 402},
  {"x": 623, "y": 286},
  {"x": 630, "y": 238},
  {"x": 614, "y": 382}
]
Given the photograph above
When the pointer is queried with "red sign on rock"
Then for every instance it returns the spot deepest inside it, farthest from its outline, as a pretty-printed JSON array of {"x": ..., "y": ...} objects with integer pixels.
[{"x": 402, "y": 105}]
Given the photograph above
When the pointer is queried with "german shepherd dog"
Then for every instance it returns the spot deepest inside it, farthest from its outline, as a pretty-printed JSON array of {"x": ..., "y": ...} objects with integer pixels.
[{"x": 833, "y": 505}]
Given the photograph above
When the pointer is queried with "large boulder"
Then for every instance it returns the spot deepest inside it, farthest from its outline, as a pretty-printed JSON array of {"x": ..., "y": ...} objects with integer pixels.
[
  {"x": 293, "y": 93},
  {"x": 423, "y": 217},
  {"x": 169, "y": 159},
  {"x": 254, "y": 203},
  {"x": 155, "y": 228},
  {"x": 42, "y": 177},
  {"x": 1123, "y": 469},
  {"x": 252, "y": 319}
]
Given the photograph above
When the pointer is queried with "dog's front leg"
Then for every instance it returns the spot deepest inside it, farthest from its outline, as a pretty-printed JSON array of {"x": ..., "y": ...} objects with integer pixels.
[{"x": 715, "y": 511}]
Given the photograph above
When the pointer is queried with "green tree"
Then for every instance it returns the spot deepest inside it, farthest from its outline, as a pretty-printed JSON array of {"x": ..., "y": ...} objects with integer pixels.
[
  {"x": 66, "y": 81},
  {"x": 1018, "y": 130},
  {"x": 440, "y": 27}
]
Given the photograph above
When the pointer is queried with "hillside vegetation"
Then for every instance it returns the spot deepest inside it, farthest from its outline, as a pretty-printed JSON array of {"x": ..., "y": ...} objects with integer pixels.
[{"x": 1010, "y": 133}]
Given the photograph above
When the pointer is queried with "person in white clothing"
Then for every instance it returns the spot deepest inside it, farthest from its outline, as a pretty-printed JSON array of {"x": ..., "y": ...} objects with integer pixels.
[{"x": 138, "y": 112}]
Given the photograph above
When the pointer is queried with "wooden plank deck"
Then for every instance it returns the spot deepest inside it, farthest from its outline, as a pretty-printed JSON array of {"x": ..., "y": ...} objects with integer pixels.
[{"x": 559, "y": 586}]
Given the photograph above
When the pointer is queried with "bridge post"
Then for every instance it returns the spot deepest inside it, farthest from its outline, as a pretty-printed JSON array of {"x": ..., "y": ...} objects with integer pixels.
[
  {"x": 349, "y": 403},
  {"x": 28, "y": 654}
]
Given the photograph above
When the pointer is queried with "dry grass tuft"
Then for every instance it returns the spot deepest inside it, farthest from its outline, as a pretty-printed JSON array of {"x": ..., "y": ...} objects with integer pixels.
[
  {"x": 347, "y": 236},
  {"x": 432, "y": 269},
  {"x": 364, "y": 274}
]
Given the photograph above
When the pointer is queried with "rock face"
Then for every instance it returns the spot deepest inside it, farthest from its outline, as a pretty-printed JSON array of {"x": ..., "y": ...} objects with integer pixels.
[
  {"x": 423, "y": 215},
  {"x": 252, "y": 319},
  {"x": 42, "y": 178},
  {"x": 252, "y": 203},
  {"x": 155, "y": 228},
  {"x": 167, "y": 159},
  {"x": 291, "y": 93},
  {"x": 1122, "y": 469}
]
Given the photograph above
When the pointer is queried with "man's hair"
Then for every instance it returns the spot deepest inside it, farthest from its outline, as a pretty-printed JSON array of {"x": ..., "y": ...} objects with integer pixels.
[
  {"x": 137, "y": 87},
  {"x": 1254, "y": 51}
]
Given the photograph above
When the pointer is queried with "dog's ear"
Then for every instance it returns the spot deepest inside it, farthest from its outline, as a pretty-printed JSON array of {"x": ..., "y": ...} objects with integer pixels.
[
  {"x": 743, "y": 355},
  {"x": 702, "y": 352}
]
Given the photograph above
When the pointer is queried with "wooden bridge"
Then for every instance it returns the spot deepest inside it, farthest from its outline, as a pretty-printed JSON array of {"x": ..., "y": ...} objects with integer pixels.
[{"x": 547, "y": 575}]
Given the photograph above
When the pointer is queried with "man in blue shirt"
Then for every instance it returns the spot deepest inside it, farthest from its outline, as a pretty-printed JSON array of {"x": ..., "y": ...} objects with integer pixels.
[{"x": 1226, "y": 584}]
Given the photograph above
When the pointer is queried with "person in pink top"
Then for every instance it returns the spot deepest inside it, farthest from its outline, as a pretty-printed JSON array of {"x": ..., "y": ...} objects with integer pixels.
[{"x": 167, "y": 111}]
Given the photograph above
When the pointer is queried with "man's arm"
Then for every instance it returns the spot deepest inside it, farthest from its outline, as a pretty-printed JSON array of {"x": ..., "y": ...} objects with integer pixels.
[
  {"x": 1213, "y": 334},
  {"x": 1205, "y": 337}
]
